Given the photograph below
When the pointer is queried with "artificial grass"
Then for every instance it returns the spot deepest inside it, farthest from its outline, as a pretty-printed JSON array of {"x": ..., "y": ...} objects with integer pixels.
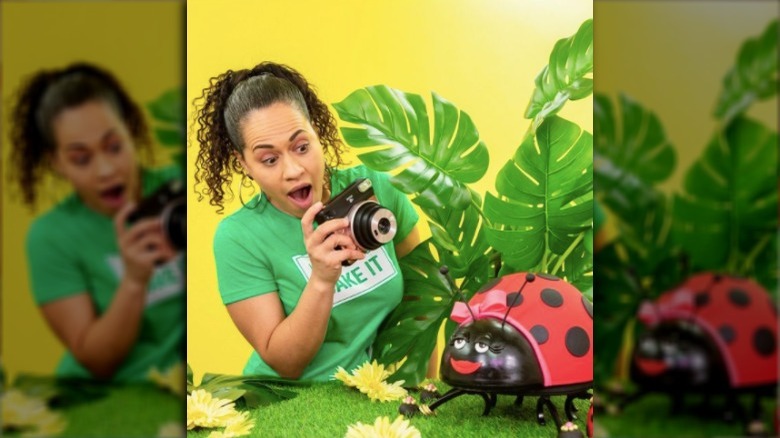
[
  {"x": 124, "y": 411},
  {"x": 650, "y": 417},
  {"x": 127, "y": 411},
  {"x": 326, "y": 409}
]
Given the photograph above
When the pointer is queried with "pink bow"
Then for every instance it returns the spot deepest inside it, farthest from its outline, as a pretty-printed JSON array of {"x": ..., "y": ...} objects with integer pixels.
[{"x": 494, "y": 305}]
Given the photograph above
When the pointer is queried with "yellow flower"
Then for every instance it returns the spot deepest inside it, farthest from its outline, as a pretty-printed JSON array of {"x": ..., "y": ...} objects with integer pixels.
[
  {"x": 369, "y": 378},
  {"x": 203, "y": 410},
  {"x": 239, "y": 425},
  {"x": 173, "y": 379},
  {"x": 171, "y": 430},
  {"x": 30, "y": 415},
  {"x": 382, "y": 428}
]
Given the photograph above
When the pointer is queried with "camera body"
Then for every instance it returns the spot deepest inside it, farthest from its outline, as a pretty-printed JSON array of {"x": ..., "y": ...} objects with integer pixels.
[
  {"x": 370, "y": 224},
  {"x": 169, "y": 203}
]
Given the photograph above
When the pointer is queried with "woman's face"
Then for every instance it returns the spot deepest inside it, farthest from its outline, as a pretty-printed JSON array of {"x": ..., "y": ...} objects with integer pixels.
[
  {"x": 283, "y": 154},
  {"x": 96, "y": 153}
]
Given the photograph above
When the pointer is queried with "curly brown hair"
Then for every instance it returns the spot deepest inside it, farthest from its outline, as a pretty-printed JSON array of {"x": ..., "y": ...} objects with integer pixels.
[
  {"x": 232, "y": 95},
  {"x": 42, "y": 97}
]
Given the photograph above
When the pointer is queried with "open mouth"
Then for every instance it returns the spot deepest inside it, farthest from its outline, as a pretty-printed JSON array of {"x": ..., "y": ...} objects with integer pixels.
[
  {"x": 301, "y": 196},
  {"x": 114, "y": 196},
  {"x": 465, "y": 366}
]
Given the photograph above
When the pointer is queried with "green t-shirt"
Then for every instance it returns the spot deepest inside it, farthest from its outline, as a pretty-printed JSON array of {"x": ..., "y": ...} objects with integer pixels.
[
  {"x": 260, "y": 249},
  {"x": 73, "y": 249}
]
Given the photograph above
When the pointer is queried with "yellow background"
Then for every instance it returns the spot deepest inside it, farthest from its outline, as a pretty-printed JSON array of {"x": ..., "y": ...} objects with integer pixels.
[
  {"x": 482, "y": 56},
  {"x": 142, "y": 43},
  {"x": 671, "y": 57}
]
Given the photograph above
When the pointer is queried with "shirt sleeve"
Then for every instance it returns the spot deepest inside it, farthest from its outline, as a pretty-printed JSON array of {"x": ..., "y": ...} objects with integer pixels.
[
  {"x": 55, "y": 270},
  {"x": 241, "y": 273},
  {"x": 405, "y": 215}
]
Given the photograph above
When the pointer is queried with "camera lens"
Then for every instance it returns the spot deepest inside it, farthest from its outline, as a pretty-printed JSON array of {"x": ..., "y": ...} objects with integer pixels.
[
  {"x": 174, "y": 222},
  {"x": 383, "y": 226},
  {"x": 371, "y": 224}
]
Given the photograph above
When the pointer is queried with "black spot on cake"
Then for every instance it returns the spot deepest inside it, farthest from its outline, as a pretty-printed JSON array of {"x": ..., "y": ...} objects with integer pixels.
[
  {"x": 764, "y": 341},
  {"x": 588, "y": 306},
  {"x": 552, "y": 297},
  {"x": 540, "y": 334},
  {"x": 702, "y": 299},
  {"x": 739, "y": 298},
  {"x": 529, "y": 277},
  {"x": 548, "y": 277},
  {"x": 577, "y": 341},
  {"x": 514, "y": 299},
  {"x": 489, "y": 285},
  {"x": 727, "y": 333}
]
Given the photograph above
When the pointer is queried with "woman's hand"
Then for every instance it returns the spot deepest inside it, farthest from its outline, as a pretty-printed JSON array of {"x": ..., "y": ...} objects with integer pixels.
[
  {"x": 142, "y": 246},
  {"x": 321, "y": 246}
]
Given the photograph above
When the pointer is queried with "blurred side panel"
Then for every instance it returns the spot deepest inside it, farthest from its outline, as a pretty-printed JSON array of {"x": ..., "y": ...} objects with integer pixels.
[
  {"x": 686, "y": 171},
  {"x": 72, "y": 261}
]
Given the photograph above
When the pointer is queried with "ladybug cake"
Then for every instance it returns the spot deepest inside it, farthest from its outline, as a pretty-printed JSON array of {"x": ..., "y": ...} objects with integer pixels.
[
  {"x": 522, "y": 334},
  {"x": 714, "y": 334}
]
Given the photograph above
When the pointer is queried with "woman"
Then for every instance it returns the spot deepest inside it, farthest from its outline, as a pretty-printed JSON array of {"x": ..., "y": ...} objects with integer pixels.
[
  {"x": 112, "y": 293},
  {"x": 281, "y": 279}
]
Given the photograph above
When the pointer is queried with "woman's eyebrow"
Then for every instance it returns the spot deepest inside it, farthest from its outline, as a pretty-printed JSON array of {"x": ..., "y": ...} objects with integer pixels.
[{"x": 270, "y": 146}]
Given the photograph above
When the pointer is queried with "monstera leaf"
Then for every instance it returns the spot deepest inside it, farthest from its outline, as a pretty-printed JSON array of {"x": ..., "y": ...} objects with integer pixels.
[
  {"x": 250, "y": 391},
  {"x": 168, "y": 114},
  {"x": 727, "y": 213},
  {"x": 461, "y": 235},
  {"x": 567, "y": 76},
  {"x": 396, "y": 126},
  {"x": 753, "y": 78},
  {"x": 412, "y": 329},
  {"x": 545, "y": 196},
  {"x": 632, "y": 155}
]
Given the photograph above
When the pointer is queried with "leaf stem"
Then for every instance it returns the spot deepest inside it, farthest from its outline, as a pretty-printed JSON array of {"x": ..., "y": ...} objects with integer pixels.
[{"x": 568, "y": 252}]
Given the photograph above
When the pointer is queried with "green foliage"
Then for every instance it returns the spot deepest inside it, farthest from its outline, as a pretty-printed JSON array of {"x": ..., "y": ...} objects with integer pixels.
[
  {"x": 566, "y": 77},
  {"x": 753, "y": 78},
  {"x": 631, "y": 155},
  {"x": 169, "y": 123},
  {"x": 60, "y": 392},
  {"x": 727, "y": 212},
  {"x": 545, "y": 196},
  {"x": 538, "y": 221},
  {"x": 249, "y": 391},
  {"x": 434, "y": 169}
]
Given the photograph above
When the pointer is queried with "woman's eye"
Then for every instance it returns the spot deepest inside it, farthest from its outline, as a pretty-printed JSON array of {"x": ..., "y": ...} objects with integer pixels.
[
  {"x": 269, "y": 161},
  {"x": 303, "y": 148},
  {"x": 481, "y": 347},
  {"x": 80, "y": 160},
  {"x": 459, "y": 343},
  {"x": 115, "y": 147}
]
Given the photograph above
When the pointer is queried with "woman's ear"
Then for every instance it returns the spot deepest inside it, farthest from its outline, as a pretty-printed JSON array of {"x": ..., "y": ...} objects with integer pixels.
[{"x": 241, "y": 161}]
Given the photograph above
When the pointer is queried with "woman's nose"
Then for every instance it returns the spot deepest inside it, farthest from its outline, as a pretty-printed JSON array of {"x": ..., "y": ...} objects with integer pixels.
[
  {"x": 292, "y": 169},
  {"x": 105, "y": 166}
]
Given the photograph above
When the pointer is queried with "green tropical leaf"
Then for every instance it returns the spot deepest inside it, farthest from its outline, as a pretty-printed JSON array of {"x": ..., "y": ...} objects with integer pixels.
[
  {"x": 632, "y": 155},
  {"x": 170, "y": 137},
  {"x": 568, "y": 76},
  {"x": 461, "y": 234},
  {"x": 753, "y": 78},
  {"x": 729, "y": 203},
  {"x": 248, "y": 390},
  {"x": 577, "y": 268},
  {"x": 545, "y": 196},
  {"x": 396, "y": 126},
  {"x": 169, "y": 107},
  {"x": 412, "y": 329}
]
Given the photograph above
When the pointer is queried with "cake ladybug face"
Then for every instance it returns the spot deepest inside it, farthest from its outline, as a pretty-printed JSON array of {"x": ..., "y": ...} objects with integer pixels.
[{"x": 522, "y": 334}]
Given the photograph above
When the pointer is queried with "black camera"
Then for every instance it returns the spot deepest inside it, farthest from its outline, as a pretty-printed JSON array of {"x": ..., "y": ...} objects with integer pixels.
[
  {"x": 370, "y": 224},
  {"x": 169, "y": 203}
]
